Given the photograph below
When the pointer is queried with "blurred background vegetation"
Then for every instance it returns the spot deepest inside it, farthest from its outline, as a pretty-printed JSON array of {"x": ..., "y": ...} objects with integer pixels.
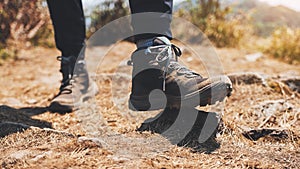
[
  {"x": 23, "y": 24},
  {"x": 105, "y": 13},
  {"x": 244, "y": 24}
]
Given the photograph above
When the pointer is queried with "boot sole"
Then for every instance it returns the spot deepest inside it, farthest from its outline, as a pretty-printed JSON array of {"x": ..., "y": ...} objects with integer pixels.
[
  {"x": 67, "y": 107},
  {"x": 202, "y": 97}
]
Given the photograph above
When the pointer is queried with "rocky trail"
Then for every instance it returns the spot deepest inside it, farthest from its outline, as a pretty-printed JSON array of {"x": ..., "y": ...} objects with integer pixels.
[{"x": 261, "y": 118}]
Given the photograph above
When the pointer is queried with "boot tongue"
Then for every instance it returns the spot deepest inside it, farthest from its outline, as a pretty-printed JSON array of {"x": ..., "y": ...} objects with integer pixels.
[
  {"x": 67, "y": 67},
  {"x": 161, "y": 41}
]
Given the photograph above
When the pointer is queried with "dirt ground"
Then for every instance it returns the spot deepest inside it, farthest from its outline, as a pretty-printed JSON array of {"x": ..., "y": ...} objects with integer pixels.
[{"x": 102, "y": 134}]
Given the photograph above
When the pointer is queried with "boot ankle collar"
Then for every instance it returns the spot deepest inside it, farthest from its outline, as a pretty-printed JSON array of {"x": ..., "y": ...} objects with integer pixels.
[{"x": 144, "y": 43}]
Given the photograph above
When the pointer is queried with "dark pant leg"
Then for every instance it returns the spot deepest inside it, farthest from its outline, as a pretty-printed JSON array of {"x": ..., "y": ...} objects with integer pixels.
[
  {"x": 151, "y": 24},
  {"x": 69, "y": 25}
]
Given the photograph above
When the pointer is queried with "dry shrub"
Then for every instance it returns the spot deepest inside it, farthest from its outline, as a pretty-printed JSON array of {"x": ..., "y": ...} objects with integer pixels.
[
  {"x": 285, "y": 44},
  {"x": 21, "y": 20},
  {"x": 218, "y": 24},
  {"x": 106, "y": 12},
  {"x": 226, "y": 33},
  {"x": 23, "y": 24}
]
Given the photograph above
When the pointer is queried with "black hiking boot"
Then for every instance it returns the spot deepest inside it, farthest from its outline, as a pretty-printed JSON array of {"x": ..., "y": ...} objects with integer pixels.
[
  {"x": 75, "y": 87},
  {"x": 157, "y": 67}
]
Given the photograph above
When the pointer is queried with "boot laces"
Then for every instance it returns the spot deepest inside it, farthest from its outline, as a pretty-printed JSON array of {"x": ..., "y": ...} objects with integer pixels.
[{"x": 165, "y": 57}]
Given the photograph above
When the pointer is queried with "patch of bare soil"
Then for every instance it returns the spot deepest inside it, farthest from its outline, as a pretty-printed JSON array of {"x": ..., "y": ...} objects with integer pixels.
[{"x": 260, "y": 120}]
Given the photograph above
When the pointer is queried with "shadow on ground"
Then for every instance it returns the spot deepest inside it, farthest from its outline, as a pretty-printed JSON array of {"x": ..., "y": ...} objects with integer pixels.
[
  {"x": 165, "y": 121},
  {"x": 14, "y": 120}
]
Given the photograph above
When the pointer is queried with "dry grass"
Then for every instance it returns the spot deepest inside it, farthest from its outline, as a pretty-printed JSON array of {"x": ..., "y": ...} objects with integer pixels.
[{"x": 118, "y": 145}]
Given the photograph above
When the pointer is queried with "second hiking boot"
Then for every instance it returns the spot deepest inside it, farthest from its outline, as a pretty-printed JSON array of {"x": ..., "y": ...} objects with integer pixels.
[
  {"x": 155, "y": 66},
  {"x": 76, "y": 86}
]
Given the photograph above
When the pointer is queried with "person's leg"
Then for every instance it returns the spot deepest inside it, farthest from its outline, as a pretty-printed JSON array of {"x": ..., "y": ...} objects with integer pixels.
[
  {"x": 69, "y": 28},
  {"x": 69, "y": 25},
  {"x": 155, "y": 67},
  {"x": 150, "y": 25}
]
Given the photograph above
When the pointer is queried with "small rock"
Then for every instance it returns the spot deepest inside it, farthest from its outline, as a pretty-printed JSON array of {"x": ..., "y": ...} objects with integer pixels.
[
  {"x": 91, "y": 142},
  {"x": 189, "y": 59},
  {"x": 253, "y": 57},
  {"x": 270, "y": 107},
  {"x": 19, "y": 154},
  {"x": 31, "y": 101},
  {"x": 40, "y": 156},
  {"x": 119, "y": 159}
]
